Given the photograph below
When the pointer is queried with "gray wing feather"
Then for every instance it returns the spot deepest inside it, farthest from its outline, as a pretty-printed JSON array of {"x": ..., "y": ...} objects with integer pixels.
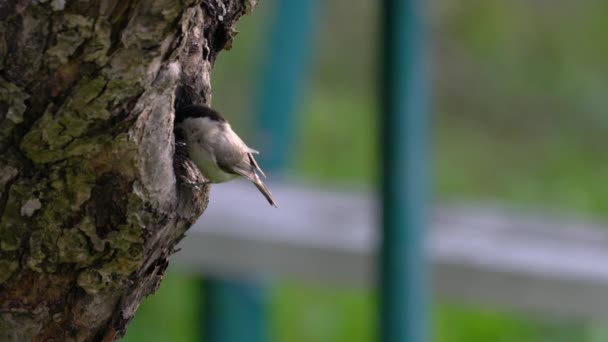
[
  {"x": 256, "y": 166},
  {"x": 264, "y": 190},
  {"x": 233, "y": 156},
  {"x": 246, "y": 169}
]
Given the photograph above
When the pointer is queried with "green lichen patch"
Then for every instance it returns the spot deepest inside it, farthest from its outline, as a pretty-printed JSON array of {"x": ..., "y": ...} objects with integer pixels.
[
  {"x": 73, "y": 248},
  {"x": 88, "y": 90},
  {"x": 132, "y": 70},
  {"x": 12, "y": 97},
  {"x": 43, "y": 252},
  {"x": 78, "y": 184},
  {"x": 13, "y": 226},
  {"x": 137, "y": 216},
  {"x": 87, "y": 101},
  {"x": 117, "y": 156},
  {"x": 7, "y": 268},
  {"x": 114, "y": 273},
  {"x": 51, "y": 242},
  {"x": 128, "y": 64},
  {"x": 127, "y": 241},
  {"x": 154, "y": 21},
  {"x": 119, "y": 90},
  {"x": 64, "y": 146},
  {"x": 97, "y": 47},
  {"x": 43, "y": 143},
  {"x": 124, "y": 244},
  {"x": 58, "y": 135},
  {"x": 53, "y": 193},
  {"x": 126, "y": 255},
  {"x": 125, "y": 262},
  {"x": 10, "y": 237},
  {"x": 70, "y": 31},
  {"x": 91, "y": 281},
  {"x": 125, "y": 236},
  {"x": 12, "y": 106},
  {"x": 87, "y": 147},
  {"x": 87, "y": 226}
]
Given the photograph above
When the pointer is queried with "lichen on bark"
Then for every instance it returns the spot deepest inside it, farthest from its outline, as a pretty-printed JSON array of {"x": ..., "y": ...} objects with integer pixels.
[{"x": 92, "y": 193}]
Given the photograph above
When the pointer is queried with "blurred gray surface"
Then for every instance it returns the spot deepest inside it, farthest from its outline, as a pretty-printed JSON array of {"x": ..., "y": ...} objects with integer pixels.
[{"x": 480, "y": 255}]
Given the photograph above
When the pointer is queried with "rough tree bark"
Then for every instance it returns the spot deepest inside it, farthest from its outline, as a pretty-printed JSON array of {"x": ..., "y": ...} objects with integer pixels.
[{"x": 92, "y": 200}]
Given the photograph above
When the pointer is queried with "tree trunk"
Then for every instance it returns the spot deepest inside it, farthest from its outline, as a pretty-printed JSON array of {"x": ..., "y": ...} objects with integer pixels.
[{"x": 92, "y": 193}]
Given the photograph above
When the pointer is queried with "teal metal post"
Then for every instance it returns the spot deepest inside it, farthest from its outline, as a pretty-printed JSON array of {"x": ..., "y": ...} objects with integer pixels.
[
  {"x": 234, "y": 311},
  {"x": 403, "y": 268},
  {"x": 237, "y": 310},
  {"x": 284, "y": 78}
]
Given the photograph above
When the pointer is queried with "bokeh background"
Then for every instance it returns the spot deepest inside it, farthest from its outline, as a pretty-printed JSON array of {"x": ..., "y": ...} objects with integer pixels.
[{"x": 519, "y": 117}]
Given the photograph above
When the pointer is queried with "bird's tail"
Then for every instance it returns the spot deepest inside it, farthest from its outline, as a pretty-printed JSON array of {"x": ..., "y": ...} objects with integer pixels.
[{"x": 264, "y": 190}]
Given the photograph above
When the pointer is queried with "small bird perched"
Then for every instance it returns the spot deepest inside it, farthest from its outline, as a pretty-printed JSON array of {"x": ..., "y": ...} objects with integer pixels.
[{"x": 216, "y": 150}]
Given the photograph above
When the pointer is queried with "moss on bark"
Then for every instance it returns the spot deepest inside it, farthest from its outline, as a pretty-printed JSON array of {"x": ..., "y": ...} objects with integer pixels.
[{"x": 91, "y": 195}]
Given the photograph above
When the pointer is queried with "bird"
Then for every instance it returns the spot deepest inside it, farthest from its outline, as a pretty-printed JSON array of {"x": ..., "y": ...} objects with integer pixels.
[{"x": 218, "y": 152}]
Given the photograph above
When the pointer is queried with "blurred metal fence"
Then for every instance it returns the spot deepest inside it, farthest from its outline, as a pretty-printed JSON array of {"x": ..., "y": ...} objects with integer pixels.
[{"x": 480, "y": 255}]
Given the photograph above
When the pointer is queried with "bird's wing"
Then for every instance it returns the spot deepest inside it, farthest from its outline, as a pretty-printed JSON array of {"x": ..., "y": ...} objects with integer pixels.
[
  {"x": 239, "y": 164},
  {"x": 233, "y": 156},
  {"x": 256, "y": 166},
  {"x": 246, "y": 168},
  {"x": 264, "y": 190}
]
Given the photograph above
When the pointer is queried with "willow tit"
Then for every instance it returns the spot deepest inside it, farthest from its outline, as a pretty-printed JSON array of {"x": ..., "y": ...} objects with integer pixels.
[{"x": 216, "y": 150}]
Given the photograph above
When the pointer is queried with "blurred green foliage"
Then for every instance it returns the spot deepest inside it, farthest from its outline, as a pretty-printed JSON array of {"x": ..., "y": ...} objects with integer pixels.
[
  {"x": 172, "y": 314},
  {"x": 301, "y": 313},
  {"x": 518, "y": 117}
]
